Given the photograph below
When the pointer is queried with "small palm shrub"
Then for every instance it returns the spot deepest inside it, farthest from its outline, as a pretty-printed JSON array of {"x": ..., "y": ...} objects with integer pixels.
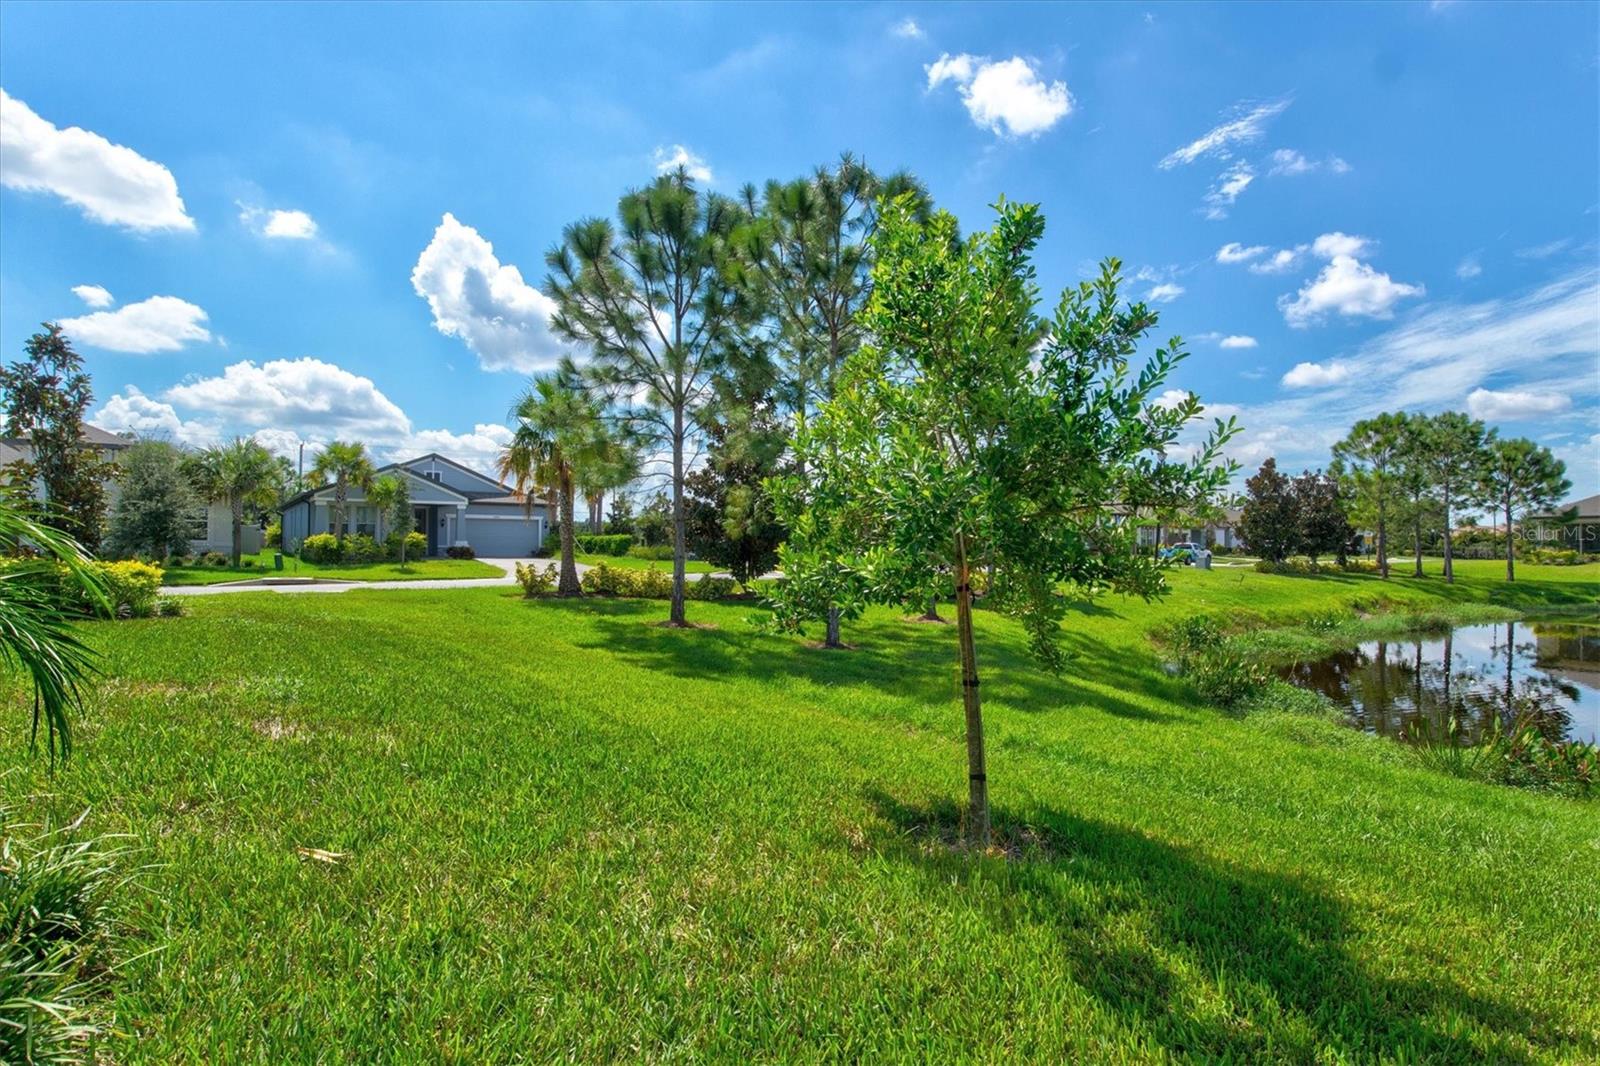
[
  {"x": 536, "y": 580},
  {"x": 615, "y": 544}
]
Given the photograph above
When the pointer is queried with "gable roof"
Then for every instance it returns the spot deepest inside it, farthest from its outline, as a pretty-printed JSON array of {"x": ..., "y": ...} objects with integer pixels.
[
  {"x": 501, "y": 493},
  {"x": 91, "y": 435}
]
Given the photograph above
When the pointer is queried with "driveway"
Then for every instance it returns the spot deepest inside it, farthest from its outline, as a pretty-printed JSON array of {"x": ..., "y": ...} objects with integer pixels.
[{"x": 508, "y": 577}]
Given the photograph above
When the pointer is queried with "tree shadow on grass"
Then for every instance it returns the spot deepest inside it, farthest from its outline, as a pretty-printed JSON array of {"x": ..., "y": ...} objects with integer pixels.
[
  {"x": 1159, "y": 934},
  {"x": 899, "y": 658}
]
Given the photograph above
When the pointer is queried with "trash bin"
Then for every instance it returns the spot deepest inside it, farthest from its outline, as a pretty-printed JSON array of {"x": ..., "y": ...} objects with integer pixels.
[
  {"x": 1203, "y": 560},
  {"x": 277, "y": 560}
]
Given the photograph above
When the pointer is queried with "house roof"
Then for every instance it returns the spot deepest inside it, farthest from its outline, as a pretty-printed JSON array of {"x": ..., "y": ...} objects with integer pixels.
[
  {"x": 94, "y": 435},
  {"x": 1587, "y": 508},
  {"x": 502, "y": 494}
]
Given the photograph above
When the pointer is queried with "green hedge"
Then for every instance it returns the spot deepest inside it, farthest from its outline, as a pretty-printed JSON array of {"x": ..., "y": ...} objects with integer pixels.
[
  {"x": 604, "y": 580},
  {"x": 613, "y": 544},
  {"x": 323, "y": 548},
  {"x": 657, "y": 552}
]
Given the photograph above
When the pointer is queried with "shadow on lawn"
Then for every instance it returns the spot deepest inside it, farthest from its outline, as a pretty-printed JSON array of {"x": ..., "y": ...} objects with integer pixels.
[
  {"x": 1140, "y": 922},
  {"x": 897, "y": 657}
]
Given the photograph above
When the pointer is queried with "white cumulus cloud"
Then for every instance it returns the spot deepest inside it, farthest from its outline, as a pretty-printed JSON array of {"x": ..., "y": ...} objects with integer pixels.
[
  {"x": 108, "y": 182},
  {"x": 479, "y": 449},
  {"x": 1333, "y": 244},
  {"x": 159, "y": 324},
  {"x": 1347, "y": 287},
  {"x": 670, "y": 158},
  {"x": 1511, "y": 405},
  {"x": 1237, "y": 341},
  {"x": 473, "y": 296},
  {"x": 1165, "y": 293},
  {"x": 291, "y": 225},
  {"x": 131, "y": 411},
  {"x": 1316, "y": 375},
  {"x": 1006, "y": 97},
  {"x": 908, "y": 28},
  {"x": 93, "y": 295},
  {"x": 307, "y": 394}
]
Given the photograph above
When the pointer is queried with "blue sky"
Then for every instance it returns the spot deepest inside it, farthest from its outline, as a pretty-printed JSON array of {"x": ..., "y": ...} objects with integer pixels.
[{"x": 316, "y": 221}]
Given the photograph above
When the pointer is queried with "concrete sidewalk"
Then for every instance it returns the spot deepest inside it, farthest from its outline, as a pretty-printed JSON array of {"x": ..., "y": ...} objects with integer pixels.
[{"x": 508, "y": 577}]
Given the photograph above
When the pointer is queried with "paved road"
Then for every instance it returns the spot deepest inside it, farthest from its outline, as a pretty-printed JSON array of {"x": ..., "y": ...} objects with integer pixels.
[{"x": 507, "y": 578}]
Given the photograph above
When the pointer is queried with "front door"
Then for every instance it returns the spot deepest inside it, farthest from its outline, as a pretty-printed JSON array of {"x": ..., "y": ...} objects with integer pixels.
[{"x": 428, "y": 527}]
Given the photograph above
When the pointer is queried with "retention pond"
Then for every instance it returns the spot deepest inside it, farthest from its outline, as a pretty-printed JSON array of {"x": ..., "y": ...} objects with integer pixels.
[{"x": 1540, "y": 673}]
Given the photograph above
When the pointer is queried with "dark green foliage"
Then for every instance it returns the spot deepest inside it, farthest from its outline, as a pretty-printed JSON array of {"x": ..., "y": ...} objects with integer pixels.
[
  {"x": 731, "y": 520},
  {"x": 1321, "y": 525},
  {"x": 154, "y": 510},
  {"x": 604, "y": 543},
  {"x": 652, "y": 526},
  {"x": 461, "y": 551},
  {"x": 1519, "y": 476},
  {"x": 45, "y": 397},
  {"x": 1270, "y": 521}
]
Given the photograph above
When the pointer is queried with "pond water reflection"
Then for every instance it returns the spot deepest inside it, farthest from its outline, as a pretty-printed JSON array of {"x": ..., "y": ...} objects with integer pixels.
[{"x": 1546, "y": 673}]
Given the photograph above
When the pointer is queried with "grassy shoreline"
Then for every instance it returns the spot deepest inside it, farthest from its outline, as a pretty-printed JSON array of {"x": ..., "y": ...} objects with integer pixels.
[{"x": 586, "y": 836}]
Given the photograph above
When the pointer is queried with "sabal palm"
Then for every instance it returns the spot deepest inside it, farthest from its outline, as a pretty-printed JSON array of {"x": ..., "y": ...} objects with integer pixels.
[
  {"x": 557, "y": 433},
  {"x": 244, "y": 474},
  {"x": 345, "y": 463}
]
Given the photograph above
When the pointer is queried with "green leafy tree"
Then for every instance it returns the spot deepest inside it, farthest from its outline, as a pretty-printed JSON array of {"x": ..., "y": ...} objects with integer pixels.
[
  {"x": 620, "y": 518},
  {"x": 45, "y": 397},
  {"x": 731, "y": 520},
  {"x": 1520, "y": 476},
  {"x": 972, "y": 431},
  {"x": 242, "y": 473},
  {"x": 37, "y": 633},
  {"x": 652, "y": 526},
  {"x": 391, "y": 494},
  {"x": 558, "y": 434},
  {"x": 157, "y": 503},
  {"x": 1270, "y": 519},
  {"x": 1321, "y": 524},
  {"x": 1415, "y": 466},
  {"x": 650, "y": 298},
  {"x": 804, "y": 266},
  {"x": 346, "y": 464},
  {"x": 1459, "y": 453},
  {"x": 1367, "y": 464}
]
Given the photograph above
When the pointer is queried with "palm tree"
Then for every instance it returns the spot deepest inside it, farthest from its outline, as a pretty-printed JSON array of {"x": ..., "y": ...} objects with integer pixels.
[
  {"x": 391, "y": 493},
  {"x": 35, "y": 626},
  {"x": 558, "y": 433},
  {"x": 345, "y": 463},
  {"x": 242, "y": 472},
  {"x": 616, "y": 464}
]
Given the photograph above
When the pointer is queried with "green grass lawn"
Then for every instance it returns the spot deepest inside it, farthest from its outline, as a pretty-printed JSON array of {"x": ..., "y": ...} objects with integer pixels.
[
  {"x": 566, "y": 833},
  {"x": 628, "y": 562},
  {"x": 414, "y": 570}
]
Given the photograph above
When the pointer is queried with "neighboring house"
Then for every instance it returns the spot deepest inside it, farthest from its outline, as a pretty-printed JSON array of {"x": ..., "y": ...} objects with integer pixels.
[
  {"x": 1221, "y": 533},
  {"x": 1574, "y": 525},
  {"x": 109, "y": 445},
  {"x": 212, "y": 531},
  {"x": 454, "y": 506}
]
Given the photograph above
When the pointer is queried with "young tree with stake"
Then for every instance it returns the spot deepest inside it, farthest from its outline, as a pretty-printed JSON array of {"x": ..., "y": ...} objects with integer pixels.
[{"x": 969, "y": 431}]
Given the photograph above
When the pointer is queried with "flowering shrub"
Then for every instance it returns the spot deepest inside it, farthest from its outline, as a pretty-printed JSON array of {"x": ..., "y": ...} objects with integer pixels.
[{"x": 536, "y": 581}]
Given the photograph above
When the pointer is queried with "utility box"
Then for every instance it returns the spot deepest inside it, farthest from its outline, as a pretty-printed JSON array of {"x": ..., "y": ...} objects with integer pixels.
[{"x": 277, "y": 560}]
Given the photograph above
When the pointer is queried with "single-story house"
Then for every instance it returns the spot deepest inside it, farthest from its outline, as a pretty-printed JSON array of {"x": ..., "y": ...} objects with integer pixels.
[
  {"x": 1574, "y": 525},
  {"x": 1222, "y": 532},
  {"x": 453, "y": 505},
  {"x": 211, "y": 530}
]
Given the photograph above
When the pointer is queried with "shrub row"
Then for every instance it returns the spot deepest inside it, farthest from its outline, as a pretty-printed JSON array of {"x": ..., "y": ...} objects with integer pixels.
[
  {"x": 656, "y": 552},
  {"x": 132, "y": 588},
  {"x": 604, "y": 580},
  {"x": 613, "y": 544},
  {"x": 1300, "y": 566},
  {"x": 1558, "y": 556},
  {"x": 325, "y": 548}
]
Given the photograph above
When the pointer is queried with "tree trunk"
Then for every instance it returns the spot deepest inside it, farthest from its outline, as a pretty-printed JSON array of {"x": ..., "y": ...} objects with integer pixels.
[
  {"x": 977, "y": 777},
  {"x": 596, "y": 505},
  {"x": 1511, "y": 569},
  {"x": 932, "y": 613},
  {"x": 341, "y": 493},
  {"x": 568, "y": 584},
  {"x": 1383, "y": 546},
  {"x": 676, "y": 616},
  {"x": 1449, "y": 555},
  {"x": 831, "y": 638},
  {"x": 237, "y": 509},
  {"x": 1416, "y": 544}
]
